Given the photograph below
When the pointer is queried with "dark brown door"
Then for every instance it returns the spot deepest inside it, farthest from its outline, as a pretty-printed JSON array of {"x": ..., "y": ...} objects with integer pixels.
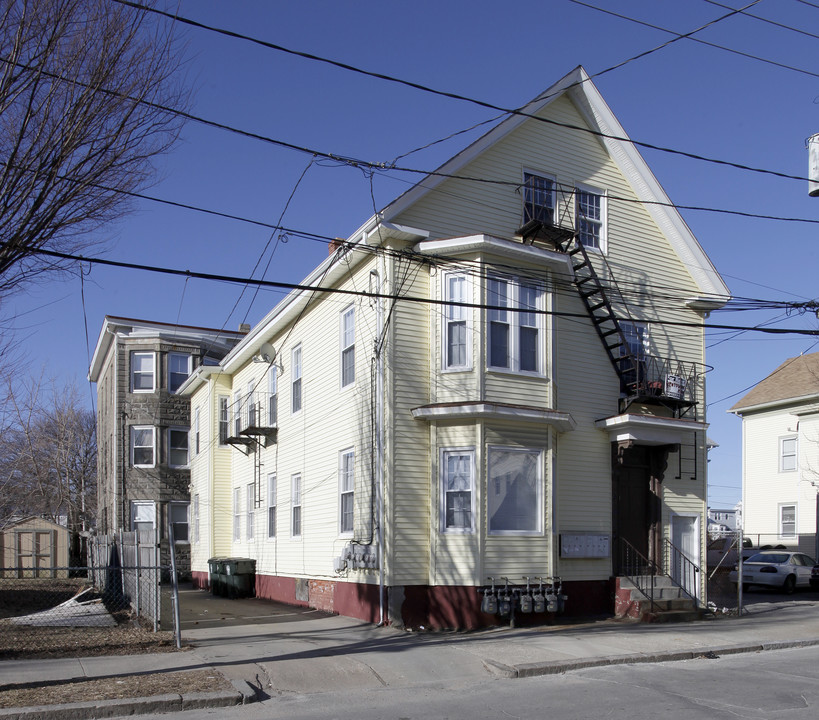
[{"x": 634, "y": 506}]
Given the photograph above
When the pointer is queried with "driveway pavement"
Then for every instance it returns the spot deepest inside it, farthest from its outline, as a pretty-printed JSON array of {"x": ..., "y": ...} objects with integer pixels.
[{"x": 265, "y": 648}]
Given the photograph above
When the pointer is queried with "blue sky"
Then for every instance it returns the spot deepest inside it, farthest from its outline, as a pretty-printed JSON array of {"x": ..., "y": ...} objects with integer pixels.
[{"x": 687, "y": 96}]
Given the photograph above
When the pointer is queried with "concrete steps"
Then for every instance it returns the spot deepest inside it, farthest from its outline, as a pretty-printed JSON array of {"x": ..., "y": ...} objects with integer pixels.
[{"x": 671, "y": 604}]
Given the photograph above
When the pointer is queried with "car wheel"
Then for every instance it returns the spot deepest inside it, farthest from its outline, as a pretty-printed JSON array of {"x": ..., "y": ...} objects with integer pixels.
[
  {"x": 789, "y": 585},
  {"x": 745, "y": 587}
]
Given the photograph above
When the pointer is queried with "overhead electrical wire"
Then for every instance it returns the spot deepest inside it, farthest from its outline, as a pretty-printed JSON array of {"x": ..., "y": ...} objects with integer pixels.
[
  {"x": 766, "y": 20},
  {"x": 424, "y": 88},
  {"x": 697, "y": 40},
  {"x": 389, "y": 296}
]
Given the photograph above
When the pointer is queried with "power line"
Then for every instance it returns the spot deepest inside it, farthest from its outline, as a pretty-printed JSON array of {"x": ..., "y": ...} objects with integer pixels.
[
  {"x": 765, "y": 20},
  {"x": 423, "y": 88},
  {"x": 388, "y": 296},
  {"x": 698, "y": 40}
]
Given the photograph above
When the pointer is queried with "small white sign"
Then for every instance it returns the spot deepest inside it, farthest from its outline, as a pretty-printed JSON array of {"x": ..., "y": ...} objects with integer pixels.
[{"x": 674, "y": 386}]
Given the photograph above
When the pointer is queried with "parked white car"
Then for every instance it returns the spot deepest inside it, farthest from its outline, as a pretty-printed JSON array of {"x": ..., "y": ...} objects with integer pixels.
[{"x": 776, "y": 568}]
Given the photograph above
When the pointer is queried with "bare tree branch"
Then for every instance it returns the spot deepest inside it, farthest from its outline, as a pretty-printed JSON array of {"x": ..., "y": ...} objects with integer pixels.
[{"x": 80, "y": 82}]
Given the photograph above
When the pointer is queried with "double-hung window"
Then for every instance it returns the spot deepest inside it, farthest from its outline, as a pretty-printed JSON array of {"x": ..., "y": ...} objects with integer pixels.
[
  {"x": 196, "y": 518},
  {"x": 295, "y": 380},
  {"x": 787, "y": 454},
  {"x": 515, "y": 325},
  {"x": 346, "y": 488},
  {"x": 178, "y": 447},
  {"x": 787, "y": 521},
  {"x": 538, "y": 199},
  {"x": 272, "y": 396},
  {"x": 457, "y": 490},
  {"x": 250, "y": 404},
  {"x": 514, "y": 494},
  {"x": 250, "y": 506},
  {"x": 197, "y": 416},
  {"x": 179, "y": 367},
  {"x": 143, "y": 516},
  {"x": 271, "y": 505},
  {"x": 143, "y": 366},
  {"x": 348, "y": 346},
  {"x": 179, "y": 521},
  {"x": 590, "y": 218},
  {"x": 295, "y": 505},
  {"x": 237, "y": 412},
  {"x": 143, "y": 445},
  {"x": 456, "y": 324},
  {"x": 224, "y": 419},
  {"x": 237, "y": 514}
]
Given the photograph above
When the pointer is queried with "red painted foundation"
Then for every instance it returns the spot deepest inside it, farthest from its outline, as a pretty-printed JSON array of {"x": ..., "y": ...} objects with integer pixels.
[
  {"x": 423, "y": 606},
  {"x": 200, "y": 580}
]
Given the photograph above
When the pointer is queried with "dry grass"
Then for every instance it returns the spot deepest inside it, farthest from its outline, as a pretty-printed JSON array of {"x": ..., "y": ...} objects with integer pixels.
[{"x": 126, "y": 686}]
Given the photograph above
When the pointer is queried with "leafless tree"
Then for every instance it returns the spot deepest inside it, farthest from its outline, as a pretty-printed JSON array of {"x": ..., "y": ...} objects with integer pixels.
[
  {"x": 82, "y": 86},
  {"x": 48, "y": 456}
]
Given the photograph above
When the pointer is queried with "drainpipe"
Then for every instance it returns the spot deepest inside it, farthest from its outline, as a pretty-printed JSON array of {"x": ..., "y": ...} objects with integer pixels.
[{"x": 379, "y": 423}]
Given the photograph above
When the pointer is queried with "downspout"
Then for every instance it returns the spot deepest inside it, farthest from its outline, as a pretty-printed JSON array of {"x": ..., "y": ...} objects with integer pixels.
[{"x": 379, "y": 423}]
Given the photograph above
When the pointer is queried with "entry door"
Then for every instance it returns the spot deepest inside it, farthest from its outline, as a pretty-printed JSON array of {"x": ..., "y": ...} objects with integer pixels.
[{"x": 685, "y": 533}]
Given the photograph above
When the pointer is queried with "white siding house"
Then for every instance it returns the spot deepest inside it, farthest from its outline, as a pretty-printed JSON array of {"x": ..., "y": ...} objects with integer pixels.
[
  {"x": 484, "y": 386},
  {"x": 780, "y": 456}
]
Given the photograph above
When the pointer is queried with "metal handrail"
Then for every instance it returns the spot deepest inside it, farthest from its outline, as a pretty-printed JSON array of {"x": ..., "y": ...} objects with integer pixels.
[
  {"x": 638, "y": 569},
  {"x": 687, "y": 568}
]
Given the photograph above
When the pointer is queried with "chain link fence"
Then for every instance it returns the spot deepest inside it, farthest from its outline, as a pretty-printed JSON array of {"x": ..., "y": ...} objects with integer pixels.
[{"x": 118, "y": 595}]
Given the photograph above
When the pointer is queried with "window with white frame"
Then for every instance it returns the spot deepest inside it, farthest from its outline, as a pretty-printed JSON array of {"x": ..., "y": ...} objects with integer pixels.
[
  {"x": 787, "y": 454},
  {"x": 197, "y": 416},
  {"x": 295, "y": 505},
  {"x": 250, "y": 506},
  {"x": 457, "y": 490},
  {"x": 787, "y": 521},
  {"x": 237, "y": 514},
  {"x": 178, "y": 447},
  {"x": 143, "y": 366},
  {"x": 143, "y": 445},
  {"x": 224, "y": 419},
  {"x": 348, "y": 346},
  {"x": 295, "y": 380},
  {"x": 515, "y": 325},
  {"x": 179, "y": 521},
  {"x": 143, "y": 517},
  {"x": 179, "y": 368},
  {"x": 456, "y": 322},
  {"x": 272, "y": 396},
  {"x": 514, "y": 493},
  {"x": 590, "y": 218},
  {"x": 346, "y": 489},
  {"x": 196, "y": 518},
  {"x": 538, "y": 198},
  {"x": 271, "y": 505},
  {"x": 237, "y": 413},
  {"x": 250, "y": 404}
]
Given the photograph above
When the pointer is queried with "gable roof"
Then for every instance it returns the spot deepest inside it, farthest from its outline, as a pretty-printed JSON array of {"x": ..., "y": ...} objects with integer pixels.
[
  {"x": 601, "y": 121},
  {"x": 795, "y": 379}
]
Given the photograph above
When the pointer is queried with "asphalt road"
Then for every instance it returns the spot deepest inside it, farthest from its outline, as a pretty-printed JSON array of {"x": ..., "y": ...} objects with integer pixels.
[{"x": 780, "y": 685}]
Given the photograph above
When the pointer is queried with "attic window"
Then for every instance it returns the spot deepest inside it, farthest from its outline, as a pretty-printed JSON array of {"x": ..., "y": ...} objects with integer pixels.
[{"x": 538, "y": 199}]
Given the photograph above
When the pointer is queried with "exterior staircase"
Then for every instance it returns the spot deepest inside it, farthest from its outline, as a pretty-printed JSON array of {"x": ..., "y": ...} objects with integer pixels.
[{"x": 671, "y": 603}]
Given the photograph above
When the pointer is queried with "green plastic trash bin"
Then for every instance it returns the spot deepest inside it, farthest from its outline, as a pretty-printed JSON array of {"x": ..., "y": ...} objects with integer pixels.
[
  {"x": 215, "y": 571},
  {"x": 240, "y": 577}
]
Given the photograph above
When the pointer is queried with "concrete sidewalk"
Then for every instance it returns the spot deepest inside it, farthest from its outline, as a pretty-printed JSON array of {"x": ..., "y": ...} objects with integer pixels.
[{"x": 267, "y": 648}]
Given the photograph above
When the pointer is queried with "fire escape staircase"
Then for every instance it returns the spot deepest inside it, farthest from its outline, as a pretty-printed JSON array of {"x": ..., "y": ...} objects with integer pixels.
[{"x": 595, "y": 300}]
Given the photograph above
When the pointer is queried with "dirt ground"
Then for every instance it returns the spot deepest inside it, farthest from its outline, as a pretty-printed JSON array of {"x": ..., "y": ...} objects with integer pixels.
[
  {"x": 127, "y": 686},
  {"x": 20, "y": 642}
]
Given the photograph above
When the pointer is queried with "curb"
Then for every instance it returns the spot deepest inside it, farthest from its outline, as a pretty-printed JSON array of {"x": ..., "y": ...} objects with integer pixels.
[
  {"x": 129, "y": 706},
  {"x": 556, "y": 667}
]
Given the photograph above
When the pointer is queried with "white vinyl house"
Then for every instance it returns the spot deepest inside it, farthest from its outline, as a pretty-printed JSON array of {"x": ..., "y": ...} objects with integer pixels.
[
  {"x": 498, "y": 379},
  {"x": 780, "y": 456}
]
